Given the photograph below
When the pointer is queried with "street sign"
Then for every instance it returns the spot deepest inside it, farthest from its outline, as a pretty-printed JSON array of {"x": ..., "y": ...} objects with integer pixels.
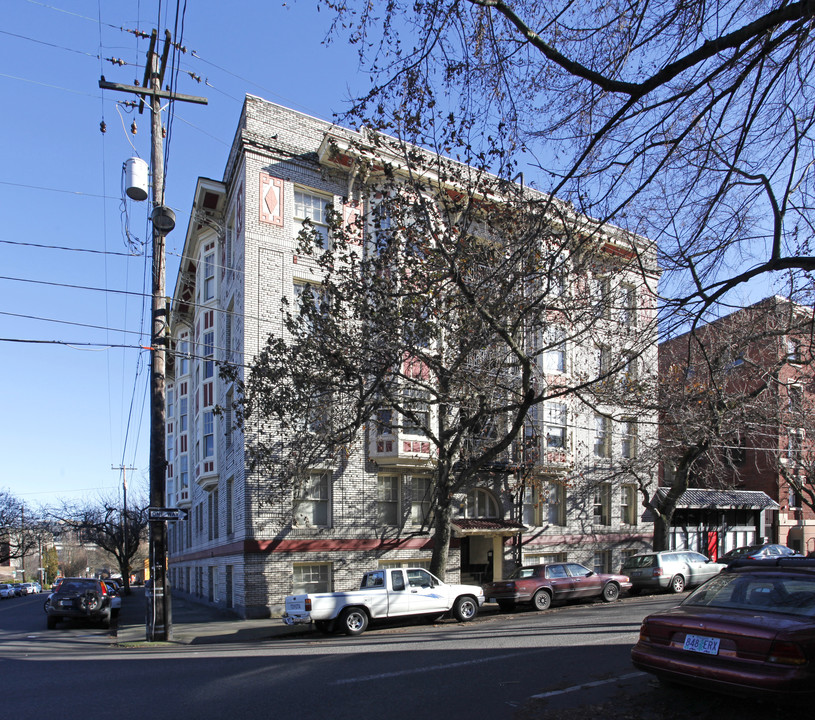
[{"x": 162, "y": 514}]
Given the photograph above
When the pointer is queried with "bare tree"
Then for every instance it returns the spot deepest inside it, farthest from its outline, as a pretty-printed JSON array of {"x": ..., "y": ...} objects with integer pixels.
[
  {"x": 19, "y": 527},
  {"x": 688, "y": 122},
  {"x": 441, "y": 320},
  {"x": 107, "y": 525}
]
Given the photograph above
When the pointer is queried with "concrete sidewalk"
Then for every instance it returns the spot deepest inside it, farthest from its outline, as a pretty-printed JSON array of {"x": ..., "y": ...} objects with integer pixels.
[{"x": 198, "y": 624}]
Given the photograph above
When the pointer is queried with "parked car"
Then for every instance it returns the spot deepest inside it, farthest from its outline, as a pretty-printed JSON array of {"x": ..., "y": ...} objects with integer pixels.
[
  {"x": 672, "y": 570},
  {"x": 115, "y": 596},
  {"x": 18, "y": 589},
  {"x": 759, "y": 551},
  {"x": 79, "y": 598},
  {"x": 6, "y": 591},
  {"x": 749, "y": 631},
  {"x": 540, "y": 585},
  {"x": 28, "y": 589}
]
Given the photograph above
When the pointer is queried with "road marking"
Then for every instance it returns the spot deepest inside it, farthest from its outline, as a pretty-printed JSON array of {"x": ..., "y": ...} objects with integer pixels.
[
  {"x": 584, "y": 686},
  {"x": 435, "y": 668}
]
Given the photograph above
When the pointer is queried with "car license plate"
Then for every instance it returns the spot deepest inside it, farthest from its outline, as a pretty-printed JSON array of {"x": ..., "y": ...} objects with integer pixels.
[
  {"x": 295, "y": 607},
  {"x": 66, "y": 603},
  {"x": 702, "y": 644}
]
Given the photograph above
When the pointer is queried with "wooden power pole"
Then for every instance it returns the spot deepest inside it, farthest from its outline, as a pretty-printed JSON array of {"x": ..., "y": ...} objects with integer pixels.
[{"x": 159, "y": 616}]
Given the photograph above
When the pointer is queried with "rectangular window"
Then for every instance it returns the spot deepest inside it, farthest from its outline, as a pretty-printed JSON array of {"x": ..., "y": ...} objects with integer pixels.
[
  {"x": 555, "y": 425},
  {"x": 556, "y": 503},
  {"x": 628, "y": 504},
  {"x": 184, "y": 473},
  {"x": 602, "y": 360},
  {"x": 796, "y": 398},
  {"x": 628, "y": 379},
  {"x": 555, "y": 355},
  {"x": 311, "y": 509},
  {"x": 208, "y": 351},
  {"x": 209, "y": 276},
  {"x": 387, "y": 499},
  {"x": 416, "y": 400},
  {"x": 183, "y": 415},
  {"x": 793, "y": 350},
  {"x": 384, "y": 421},
  {"x": 230, "y": 504},
  {"x": 628, "y": 448},
  {"x": 601, "y": 297},
  {"x": 602, "y": 504},
  {"x": 314, "y": 208},
  {"x": 183, "y": 357},
  {"x": 602, "y": 561},
  {"x": 311, "y": 578},
  {"x": 209, "y": 434},
  {"x": 602, "y": 434},
  {"x": 228, "y": 582},
  {"x": 170, "y": 405},
  {"x": 210, "y": 517},
  {"x": 216, "y": 520},
  {"x": 628, "y": 305},
  {"x": 421, "y": 488}
]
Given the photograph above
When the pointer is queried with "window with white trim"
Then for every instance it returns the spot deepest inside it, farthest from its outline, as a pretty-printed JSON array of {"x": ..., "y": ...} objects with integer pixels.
[
  {"x": 602, "y": 504},
  {"x": 312, "y": 506},
  {"x": 602, "y": 436},
  {"x": 420, "y": 489},
  {"x": 555, "y": 418},
  {"x": 481, "y": 504},
  {"x": 628, "y": 504},
  {"x": 628, "y": 444},
  {"x": 311, "y": 578},
  {"x": 313, "y": 208},
  {"x": 555, "y": 355},
  {"x": 387, "y": 499}
]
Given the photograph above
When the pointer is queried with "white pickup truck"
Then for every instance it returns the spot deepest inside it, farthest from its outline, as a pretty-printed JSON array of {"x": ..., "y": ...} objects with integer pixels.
[{"x": 391, "y": 593}]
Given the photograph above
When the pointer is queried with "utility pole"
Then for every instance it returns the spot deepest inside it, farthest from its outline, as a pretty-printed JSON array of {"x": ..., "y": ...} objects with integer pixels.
[
  {"x": 125, "y": 548},
  {"x": 159, "y": 616}
]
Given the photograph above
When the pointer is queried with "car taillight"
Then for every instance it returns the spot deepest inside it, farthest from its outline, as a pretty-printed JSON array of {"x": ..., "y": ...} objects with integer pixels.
[
  {"x": 644, "y": 636},
  {"x": 786, "y": 653},
  {"x": 308, "y": 604},
  {"x": 657, "y": 572}
]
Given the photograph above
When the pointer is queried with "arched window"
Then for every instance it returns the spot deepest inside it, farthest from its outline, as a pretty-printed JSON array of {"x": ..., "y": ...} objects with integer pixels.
[{"x": 481, "y": 504}]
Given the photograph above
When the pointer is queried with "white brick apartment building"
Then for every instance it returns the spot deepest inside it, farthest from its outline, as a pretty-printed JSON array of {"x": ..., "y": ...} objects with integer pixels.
[{"x": 238, "y": 550}]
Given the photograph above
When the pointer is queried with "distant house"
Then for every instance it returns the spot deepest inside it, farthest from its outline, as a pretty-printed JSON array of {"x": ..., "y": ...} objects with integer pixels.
[
  {"x": 769, "y": 454},
  {"x": 238, "y": 550}
]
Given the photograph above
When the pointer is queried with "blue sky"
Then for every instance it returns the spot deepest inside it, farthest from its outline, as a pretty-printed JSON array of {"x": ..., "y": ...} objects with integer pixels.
[{"x": 73, "y": 380}]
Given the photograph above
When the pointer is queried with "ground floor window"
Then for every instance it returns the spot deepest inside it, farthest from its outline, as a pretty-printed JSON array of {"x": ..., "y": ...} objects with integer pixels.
[
  {"x": 544, "y": 558},
  {"x": 406, "y": 563},
  {"x": 602, "y": 561},
  {"x": 311, "y": 578}
]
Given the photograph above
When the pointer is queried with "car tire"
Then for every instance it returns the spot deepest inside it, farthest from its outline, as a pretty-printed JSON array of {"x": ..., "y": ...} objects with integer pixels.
[
  {"x": 677, "y": 584},
  {"x": 611, "y": 592},
  {"x": 506, "y": 605},
  {"x": 542, "y": 600},
  {"x": 353, "y": 621},
  {"x": 465, "y": 608},
  {"x": 51, "y": 622}
]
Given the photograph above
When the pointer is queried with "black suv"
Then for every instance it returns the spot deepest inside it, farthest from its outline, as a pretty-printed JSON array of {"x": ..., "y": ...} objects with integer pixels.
[{"x": 81, "y": 599}]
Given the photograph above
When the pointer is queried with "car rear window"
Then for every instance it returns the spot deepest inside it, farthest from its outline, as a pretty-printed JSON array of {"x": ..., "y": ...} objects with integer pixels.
[
  {"x": 640, "y": 561},
  {"x": 77, "y": 586},
  {"x": 770, "y": 593}
]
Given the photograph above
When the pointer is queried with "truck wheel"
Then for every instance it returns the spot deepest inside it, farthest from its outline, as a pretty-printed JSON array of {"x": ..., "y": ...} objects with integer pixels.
[
  {"x": 353, "y": 621},
  {"x": 465, "y": 608}
]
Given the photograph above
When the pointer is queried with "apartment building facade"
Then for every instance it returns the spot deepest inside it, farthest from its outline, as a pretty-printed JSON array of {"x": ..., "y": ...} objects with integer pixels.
[
  {"x": 764, "y": 462},
  {"x": 243, "y": 549}
]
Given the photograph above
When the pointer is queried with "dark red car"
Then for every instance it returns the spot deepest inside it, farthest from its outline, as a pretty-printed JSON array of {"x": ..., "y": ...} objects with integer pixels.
[
  {"x": 749, "y": 631},
  {"x": 541, "y": 585}
]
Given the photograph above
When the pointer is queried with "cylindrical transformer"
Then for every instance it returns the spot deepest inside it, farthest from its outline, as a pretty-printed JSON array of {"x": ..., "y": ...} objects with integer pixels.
[{"x": 136, "y": 179}]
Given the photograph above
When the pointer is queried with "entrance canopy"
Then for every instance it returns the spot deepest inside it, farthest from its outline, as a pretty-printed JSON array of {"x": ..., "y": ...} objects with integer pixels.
[
  {"x": 699, "y": 499},
  {"x": 465, "y": 527}
]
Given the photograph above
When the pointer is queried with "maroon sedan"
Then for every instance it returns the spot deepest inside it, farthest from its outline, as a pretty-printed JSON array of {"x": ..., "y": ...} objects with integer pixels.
[
  {"x": 540, "y": 585},
  {"x": 748, "y": 631}
]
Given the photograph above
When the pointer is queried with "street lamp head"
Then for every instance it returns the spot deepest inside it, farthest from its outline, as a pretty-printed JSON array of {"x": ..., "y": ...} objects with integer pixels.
[{"x": 163, "y": 219}]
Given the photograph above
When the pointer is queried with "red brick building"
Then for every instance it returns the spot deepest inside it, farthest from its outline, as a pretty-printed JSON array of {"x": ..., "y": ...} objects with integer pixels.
[{"x": 747, "y": 379}]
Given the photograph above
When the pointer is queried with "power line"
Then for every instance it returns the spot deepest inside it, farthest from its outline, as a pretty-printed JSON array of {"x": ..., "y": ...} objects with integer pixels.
[{"x": 71, "y": 249}]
